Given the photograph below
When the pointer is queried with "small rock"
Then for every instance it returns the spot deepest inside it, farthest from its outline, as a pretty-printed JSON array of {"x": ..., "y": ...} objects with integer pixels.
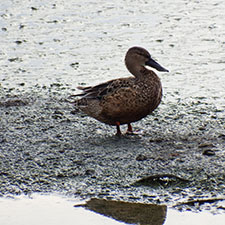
[
  {"x": 27, "y": 153},
  {"x": 206, "y": 145},
  {"x": 15, "y": 59},
  {"x": 21, "y": 84},
  {"x": 61, "y": 150},
  {"x": 52, "y": 21},
  {"x": 34, "y": 8},
  {"x": 58, "y": 135},
  {"x": 18, "y": 42},
  {"x": 56, "y": 116},
  {"x": 21, "y": 26},
  {"x": 89, "y": 172},
  {"x": 222, "y": 136},
  {"x": 58, "y": 112},
  {"x": 209, "y": 152},
  {"x": 74, "y": 112},
  {"x": 141, "y": 157},
  {"x": 175, "y": 154},
  {"x": 74, "y": 65},
  {"x": 55, "y": 85}
]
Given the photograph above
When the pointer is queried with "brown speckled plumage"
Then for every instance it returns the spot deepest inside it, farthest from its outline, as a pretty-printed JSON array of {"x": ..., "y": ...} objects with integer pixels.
[{"x": 125, "y": 100}]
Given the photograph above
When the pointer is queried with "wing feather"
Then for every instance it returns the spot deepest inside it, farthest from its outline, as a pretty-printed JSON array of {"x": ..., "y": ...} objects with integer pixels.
[{"x": 104, "y": 89}]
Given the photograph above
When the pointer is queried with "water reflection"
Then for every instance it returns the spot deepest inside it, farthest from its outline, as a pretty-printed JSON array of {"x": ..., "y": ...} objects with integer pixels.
[
  {"x": 131, "y": 213},
  {"x": 56, "y": 209}
]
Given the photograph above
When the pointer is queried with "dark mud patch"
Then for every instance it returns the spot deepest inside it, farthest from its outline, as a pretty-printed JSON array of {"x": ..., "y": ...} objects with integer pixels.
[
  {"x": 45, "y": 148},
  {"x": 13, "y": 102}
]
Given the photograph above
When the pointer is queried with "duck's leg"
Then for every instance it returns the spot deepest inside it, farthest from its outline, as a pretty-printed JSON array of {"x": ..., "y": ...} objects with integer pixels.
[
  {"x": 129, "y": 129},
  {"x": 118, "y": 133}
]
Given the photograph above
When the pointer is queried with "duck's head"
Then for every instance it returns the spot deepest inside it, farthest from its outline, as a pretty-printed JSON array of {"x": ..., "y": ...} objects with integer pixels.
[{"x": 138, "y": 57}]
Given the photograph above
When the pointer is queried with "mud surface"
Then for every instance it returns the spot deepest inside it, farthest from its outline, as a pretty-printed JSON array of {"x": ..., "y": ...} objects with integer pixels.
[{"x": 47, "y": 49}]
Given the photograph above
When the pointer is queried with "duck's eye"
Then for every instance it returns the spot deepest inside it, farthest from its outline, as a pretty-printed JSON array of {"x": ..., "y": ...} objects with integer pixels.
[{"x": 144, "y": 55}]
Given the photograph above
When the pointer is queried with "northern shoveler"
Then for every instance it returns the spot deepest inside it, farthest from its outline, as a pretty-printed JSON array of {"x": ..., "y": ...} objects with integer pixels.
[{"x": 125, "y": 100}]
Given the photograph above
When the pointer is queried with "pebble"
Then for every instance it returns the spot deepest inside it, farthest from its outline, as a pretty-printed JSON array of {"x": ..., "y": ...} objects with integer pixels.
[
  {"x": 206, "y": 145},
  {"x": 89, "y": 172},
  {"x": 141, "y": 157},
  {"x": 209, "y": 152}
]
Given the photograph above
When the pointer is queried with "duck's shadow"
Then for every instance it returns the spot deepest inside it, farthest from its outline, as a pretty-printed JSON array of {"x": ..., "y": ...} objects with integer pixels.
[{"x": 114, "y": 140}]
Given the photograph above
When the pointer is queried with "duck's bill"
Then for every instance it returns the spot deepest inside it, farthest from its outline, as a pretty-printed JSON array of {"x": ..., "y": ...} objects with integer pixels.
[{"x": 156, "y": 65}]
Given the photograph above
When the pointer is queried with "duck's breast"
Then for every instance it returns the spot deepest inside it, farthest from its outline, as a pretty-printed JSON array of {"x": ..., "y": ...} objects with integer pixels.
[{"x": 131, "y": 104}]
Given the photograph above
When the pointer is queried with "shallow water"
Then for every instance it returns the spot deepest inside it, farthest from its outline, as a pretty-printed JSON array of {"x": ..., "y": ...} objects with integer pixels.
[
  {"x": 45, "y": 38},
  {"x": 47, "y": 49},
  {"x": 53, "y": 209}
]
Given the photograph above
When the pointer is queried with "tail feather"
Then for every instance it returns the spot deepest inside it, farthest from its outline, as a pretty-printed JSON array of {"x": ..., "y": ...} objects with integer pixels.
[{"x": 83, "y": 88}]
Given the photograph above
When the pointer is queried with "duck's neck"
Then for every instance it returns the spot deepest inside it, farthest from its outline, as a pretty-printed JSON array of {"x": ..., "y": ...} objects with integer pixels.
[{"x": 136, "y": 70}]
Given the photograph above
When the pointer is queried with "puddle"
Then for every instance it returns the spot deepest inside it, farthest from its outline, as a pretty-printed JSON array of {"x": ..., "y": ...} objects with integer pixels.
[{"x": 55, "y": 209}]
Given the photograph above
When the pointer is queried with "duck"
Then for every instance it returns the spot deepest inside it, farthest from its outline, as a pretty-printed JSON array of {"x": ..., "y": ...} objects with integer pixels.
[{"x": 128, "y": 99}]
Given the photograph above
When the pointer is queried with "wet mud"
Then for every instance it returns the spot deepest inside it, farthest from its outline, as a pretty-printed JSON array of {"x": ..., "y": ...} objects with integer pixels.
[{"x": 47, "y": 146}]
